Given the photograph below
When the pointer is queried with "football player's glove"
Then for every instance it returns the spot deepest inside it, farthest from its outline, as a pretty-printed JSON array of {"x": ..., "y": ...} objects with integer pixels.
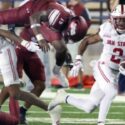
[
  {"x": 122, "y": 68},
  {"x": 77, "y": 66},
  {"x": 30, "y": 46}
]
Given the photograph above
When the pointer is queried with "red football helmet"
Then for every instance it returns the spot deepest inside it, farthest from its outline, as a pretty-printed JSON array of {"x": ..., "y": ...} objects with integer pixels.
[
  {"x": 76, "y": 29},
  {"x": 118, "y": 18}
]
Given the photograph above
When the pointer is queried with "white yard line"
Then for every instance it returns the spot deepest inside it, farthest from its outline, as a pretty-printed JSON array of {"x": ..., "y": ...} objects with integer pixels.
[
  {"x": 77, "y": 121},
  {"x": 77, "y": 113}
]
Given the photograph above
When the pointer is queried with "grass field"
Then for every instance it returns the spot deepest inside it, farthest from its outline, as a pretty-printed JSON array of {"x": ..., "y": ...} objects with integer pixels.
[{"x": 73, "y": 116}]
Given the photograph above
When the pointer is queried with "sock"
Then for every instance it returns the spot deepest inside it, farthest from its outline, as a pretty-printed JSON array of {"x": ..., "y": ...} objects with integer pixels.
[
  {"x": 14, "y": 107},
  {"x": 23, "y": 109},
  {"x": 7, "y": 119},
  {"x": 60, "y": 58}
]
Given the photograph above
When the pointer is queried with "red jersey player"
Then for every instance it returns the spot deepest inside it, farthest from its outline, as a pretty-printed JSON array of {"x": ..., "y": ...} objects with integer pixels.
[{"x": 66, "y": 25}]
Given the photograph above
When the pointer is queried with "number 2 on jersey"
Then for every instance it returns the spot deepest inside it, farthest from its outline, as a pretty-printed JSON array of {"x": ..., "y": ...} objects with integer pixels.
[{"x": 119, "y": 52}]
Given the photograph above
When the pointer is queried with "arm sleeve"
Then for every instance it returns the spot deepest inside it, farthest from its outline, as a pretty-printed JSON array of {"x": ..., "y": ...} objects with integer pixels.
[{"x": 16, "y": 15}]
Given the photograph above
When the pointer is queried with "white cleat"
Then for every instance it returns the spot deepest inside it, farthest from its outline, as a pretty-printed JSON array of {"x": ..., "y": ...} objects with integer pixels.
[
  {"x": 55, "y": 115},
  {"x": 59, "y": 98}
]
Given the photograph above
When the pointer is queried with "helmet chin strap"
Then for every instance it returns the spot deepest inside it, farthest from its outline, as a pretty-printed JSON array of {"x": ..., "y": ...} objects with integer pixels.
[{"x": 120, "y": 31}]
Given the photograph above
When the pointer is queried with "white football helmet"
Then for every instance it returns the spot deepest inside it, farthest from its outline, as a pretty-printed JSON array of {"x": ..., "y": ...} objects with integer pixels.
[{"x": 118, "y": 18}]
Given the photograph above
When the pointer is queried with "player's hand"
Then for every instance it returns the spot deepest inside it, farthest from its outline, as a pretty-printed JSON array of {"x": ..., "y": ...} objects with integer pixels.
[
  {"x": 122, "y": 68},
  {"x": 30, "y": 46},
  {"x": 77, "y": 66},
  {"x": 44, "y": 45}
]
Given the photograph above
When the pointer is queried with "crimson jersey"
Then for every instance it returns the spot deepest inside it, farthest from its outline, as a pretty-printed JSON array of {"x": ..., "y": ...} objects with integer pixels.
[
  {"x": 21, "y": 14},
  {"x": 47, "y": 33}
]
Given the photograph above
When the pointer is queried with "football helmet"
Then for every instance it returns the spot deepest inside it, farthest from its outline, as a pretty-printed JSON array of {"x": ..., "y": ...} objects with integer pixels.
[
  {"x": 118, "y": 18},
  {"x": 76, "y": 29},
  {"x": 58, "y": 19}
]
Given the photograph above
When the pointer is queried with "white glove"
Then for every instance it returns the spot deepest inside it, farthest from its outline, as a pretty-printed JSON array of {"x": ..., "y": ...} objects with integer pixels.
[
  {"x": 77, "y": 66},
  {"x": 122, "y": 68},
  {"x": 30, "y": 46}
]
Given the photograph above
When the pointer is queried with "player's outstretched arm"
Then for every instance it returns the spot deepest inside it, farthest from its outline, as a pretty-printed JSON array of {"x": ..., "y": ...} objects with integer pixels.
[
  {"x": 35, "y": 21},
  {"x": 7, "y": 34},
  {"x": 16, "y": 15},
  {"x": 78, "y": 65},
  {"x": 29, "y": 45},
  {"x": 90, "y": 39}
]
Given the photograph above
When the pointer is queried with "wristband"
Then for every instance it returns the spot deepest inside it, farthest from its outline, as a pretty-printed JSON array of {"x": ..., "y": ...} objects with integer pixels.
[
  {"x": 79, "y": 57},
  {"x": 39, "y": 37},
  {"x": 35, "y": 25},
  {"x": 24, "y": 42}
]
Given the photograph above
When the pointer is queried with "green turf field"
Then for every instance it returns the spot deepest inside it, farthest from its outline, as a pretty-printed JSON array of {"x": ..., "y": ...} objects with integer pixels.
[{"x": 73, "y": 116}]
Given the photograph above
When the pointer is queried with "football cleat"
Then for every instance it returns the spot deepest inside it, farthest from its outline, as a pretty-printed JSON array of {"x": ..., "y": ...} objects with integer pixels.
[
  {"x": 60, "y": 97},
  {"x": 55, "y": 115},
  {"x": 23, "y": 116}
]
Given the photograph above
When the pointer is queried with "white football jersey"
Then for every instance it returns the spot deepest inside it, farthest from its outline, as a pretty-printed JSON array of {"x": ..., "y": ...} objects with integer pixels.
[
  {"x": 3, "y": 42},
  {"x": 114, "y": 45}
]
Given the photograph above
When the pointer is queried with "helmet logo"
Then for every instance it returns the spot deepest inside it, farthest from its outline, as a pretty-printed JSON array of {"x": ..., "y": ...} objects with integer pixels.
[{"x": 73, "y": 28}]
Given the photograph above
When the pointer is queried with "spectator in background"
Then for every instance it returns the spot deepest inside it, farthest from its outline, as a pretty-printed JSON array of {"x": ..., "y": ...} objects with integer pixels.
[
  {"x": 80, "y": 10},
  {"x": 112, "y": 4}
]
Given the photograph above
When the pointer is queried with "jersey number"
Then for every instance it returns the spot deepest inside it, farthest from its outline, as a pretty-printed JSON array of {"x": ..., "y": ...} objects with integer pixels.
[{"x": 119, "y": 52}]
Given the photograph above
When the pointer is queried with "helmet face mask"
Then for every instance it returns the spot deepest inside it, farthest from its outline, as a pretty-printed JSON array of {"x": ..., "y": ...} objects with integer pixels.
[{"x": 118, "y": 18}]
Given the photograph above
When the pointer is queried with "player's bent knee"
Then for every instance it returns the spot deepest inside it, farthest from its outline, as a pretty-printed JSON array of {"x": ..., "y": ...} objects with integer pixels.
[
  {"x": 89, "y": 106},
  {"x": 39, "y": 86}
]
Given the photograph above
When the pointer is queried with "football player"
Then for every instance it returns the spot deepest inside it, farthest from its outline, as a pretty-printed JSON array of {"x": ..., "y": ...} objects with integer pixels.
[
  {"x": 106, "y": 70},
  {"x": 8, "y": 67}
]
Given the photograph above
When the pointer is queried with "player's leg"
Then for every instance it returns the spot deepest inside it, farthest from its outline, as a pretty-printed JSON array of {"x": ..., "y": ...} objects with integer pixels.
[
  {"x": 110, "y": 94},
  {"x": 61, "y": 51},
  {"x": 3, "y": 95},
  {"x": 87, "y": 104},
  {"x": 108, "y": 78},
  {"x": 11, "y": 118},
  {"x": 31, "y": 65},
  {"x": 7, "y": 119},
  {"x": 35, "y": 71},
  {"x": 14, "y": 107},
  {"x": 8, "y": 68}
]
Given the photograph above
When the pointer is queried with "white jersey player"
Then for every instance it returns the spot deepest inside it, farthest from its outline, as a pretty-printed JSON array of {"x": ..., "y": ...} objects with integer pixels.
[
  {"x": 8, "y": 63},
  {"x": 8, "y": 67},
  {"x": 112, "y": 34}
]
